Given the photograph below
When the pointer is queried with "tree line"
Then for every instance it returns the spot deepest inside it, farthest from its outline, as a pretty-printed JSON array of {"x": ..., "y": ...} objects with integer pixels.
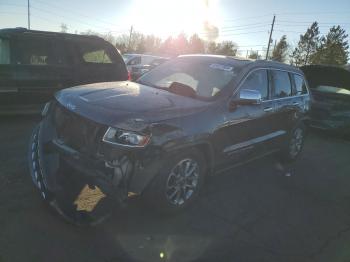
[{"x": 312, "y": 47}]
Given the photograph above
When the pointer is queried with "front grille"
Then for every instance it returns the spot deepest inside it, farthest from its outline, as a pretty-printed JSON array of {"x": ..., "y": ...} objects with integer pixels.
[{"x": 77, "y": 132}]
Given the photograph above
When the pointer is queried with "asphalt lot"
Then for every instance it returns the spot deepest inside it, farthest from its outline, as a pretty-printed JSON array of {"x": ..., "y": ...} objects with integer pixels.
[{"x": 257, "y": 212}]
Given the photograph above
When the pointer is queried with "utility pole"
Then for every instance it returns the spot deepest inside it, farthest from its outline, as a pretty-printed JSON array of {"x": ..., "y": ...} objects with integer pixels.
[
  {"x": 246, "y": 56},
  {"x": 268, "y": 45},
  {"x": 28, "y": 15},
  {"x": 130, "y": 35}
]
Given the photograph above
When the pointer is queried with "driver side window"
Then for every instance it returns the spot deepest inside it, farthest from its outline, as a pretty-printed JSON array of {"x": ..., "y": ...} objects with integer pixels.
[{"x": 257, "y": 80}]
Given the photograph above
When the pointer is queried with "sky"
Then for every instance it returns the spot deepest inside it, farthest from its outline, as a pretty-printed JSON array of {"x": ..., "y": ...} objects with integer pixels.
[{"x": 246, "y": 22}]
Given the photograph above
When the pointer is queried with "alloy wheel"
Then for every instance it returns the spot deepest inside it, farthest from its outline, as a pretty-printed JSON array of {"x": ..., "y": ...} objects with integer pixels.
[
  {"x": 182, "y": 181},
  {"x": 296, "y": 142}
]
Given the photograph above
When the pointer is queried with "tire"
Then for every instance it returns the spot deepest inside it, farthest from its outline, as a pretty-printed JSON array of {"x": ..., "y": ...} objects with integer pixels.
[
  {"x": 295, "y": 144},
  {"x": 171, "y": 192},
  {"x": 34, "y": 166}
]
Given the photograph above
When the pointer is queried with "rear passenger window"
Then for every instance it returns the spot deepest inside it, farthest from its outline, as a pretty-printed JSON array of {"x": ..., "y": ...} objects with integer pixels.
[
  {"x": 4, "y": 52},
  {"x": 38, "y": 51},
  {"x": 300, "y": 86},
  {"x": 257, "y": 80},
  {"x": 281, "y": 83}
]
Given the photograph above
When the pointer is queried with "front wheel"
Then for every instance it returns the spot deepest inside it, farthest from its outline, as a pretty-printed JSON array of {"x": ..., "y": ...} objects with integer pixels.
[{"x": 178, "y": 183}]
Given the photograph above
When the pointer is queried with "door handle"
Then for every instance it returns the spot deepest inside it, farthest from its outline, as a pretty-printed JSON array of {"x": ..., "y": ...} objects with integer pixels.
[
  {"x": 295, "y": 103},
  {"x": 268, "y": 109}
]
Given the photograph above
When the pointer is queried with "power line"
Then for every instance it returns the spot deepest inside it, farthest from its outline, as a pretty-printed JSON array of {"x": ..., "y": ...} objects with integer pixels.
[
  {"x": 245, "y": 25},
  {"x": 313, "y": 13},
  {"x": 241, "y": 29},
  {"x": 66, "y": 17},
  {"x": 233, "y": 34},
  {"x": 289, "y": 22},
  {"x": 246, "y": 18},
  {"x": 43, "y": 10},
  {"x": 75, "y": 13}
]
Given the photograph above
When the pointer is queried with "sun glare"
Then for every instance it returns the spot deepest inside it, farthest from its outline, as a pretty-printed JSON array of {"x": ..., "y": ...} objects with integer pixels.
[{"x": 171, "y": 17}]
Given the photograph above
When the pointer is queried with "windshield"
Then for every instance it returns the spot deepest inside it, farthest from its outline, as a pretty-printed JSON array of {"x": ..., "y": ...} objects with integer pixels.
[{"x": 206, "y": 78}]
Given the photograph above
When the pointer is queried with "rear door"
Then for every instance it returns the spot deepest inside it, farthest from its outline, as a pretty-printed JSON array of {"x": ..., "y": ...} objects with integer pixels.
[
  {"x": 40, "y": 70},
  {"x": 97, "y": 61},
  {"x": 286, "y": 102}
]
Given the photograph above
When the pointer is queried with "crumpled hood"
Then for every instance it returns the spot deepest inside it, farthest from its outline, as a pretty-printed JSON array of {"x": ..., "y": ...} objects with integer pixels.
[{"x": 120, "y": 103}]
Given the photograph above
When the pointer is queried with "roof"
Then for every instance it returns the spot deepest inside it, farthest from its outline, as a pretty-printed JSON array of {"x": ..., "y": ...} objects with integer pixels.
[
  {"x": 21, "y": 30},
  {"x": 249, "y": 63}
]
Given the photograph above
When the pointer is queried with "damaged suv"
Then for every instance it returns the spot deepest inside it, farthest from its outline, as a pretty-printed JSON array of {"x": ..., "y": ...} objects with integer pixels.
[{"x": 160, "y": 137}]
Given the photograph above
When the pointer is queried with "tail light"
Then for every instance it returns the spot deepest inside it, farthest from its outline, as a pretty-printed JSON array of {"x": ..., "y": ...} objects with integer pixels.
[{"x": 129, "y": 75}]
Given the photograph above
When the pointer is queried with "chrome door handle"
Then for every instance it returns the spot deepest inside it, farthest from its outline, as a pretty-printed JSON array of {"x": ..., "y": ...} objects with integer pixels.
[{"x": 268, "y": 109}]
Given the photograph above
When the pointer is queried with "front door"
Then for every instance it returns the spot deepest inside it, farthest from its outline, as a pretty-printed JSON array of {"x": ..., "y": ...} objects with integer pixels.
[{"x": 248, "y": 129}]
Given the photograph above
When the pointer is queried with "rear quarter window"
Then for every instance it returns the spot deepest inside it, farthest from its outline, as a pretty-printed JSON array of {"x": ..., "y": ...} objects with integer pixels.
[{"x": 300, "y": 85}]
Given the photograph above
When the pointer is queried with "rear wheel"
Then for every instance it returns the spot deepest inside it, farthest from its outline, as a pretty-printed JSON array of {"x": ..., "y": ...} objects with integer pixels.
[
  {"x": 178, "y": 183},
  {"x": 295, "y": 144}
]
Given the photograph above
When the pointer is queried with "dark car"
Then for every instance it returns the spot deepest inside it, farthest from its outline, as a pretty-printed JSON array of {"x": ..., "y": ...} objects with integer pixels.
[
  {"x": 138, "y": 70},
  {"x": 36, "y": 64},
  {"x": 330, "y": 90},
  {"x": 190, "y": 117}
]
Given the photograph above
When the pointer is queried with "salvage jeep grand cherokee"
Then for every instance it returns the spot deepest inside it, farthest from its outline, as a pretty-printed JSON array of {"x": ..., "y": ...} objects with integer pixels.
[{"x": 160, "y": 137}]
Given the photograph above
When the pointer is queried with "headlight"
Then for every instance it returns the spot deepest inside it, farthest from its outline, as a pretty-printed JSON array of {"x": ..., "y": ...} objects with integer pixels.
[{"x": 125, "y": 138}]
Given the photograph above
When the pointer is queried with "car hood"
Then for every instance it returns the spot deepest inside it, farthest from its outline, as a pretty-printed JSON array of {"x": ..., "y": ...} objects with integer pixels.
[{"x": 127, "y": 103}]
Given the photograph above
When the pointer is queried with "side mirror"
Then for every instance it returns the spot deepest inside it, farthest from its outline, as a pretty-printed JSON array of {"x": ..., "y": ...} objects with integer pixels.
[
  {"x": 249, "y": 97},
  {"x": 246, "y": 97}
]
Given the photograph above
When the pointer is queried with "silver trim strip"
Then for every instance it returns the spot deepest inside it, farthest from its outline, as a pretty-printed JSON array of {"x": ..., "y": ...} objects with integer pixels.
[{"x": 254, "y": 141}]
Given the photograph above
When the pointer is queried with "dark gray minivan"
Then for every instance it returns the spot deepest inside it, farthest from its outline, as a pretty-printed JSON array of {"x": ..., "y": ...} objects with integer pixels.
[{"x": 36, "y": 64}]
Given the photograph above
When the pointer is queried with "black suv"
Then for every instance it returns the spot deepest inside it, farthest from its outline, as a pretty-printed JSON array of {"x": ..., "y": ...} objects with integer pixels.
[
  {"x": 36, "y": 64},
  {"x": 188, "y": 118}
]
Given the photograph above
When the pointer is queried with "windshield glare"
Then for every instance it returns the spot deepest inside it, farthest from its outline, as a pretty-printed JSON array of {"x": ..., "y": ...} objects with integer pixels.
[{"x": 206, "y": 78}]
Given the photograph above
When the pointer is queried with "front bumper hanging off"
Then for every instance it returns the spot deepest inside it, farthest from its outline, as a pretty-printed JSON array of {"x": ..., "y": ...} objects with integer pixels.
[{"x": 83, "y": 190}]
